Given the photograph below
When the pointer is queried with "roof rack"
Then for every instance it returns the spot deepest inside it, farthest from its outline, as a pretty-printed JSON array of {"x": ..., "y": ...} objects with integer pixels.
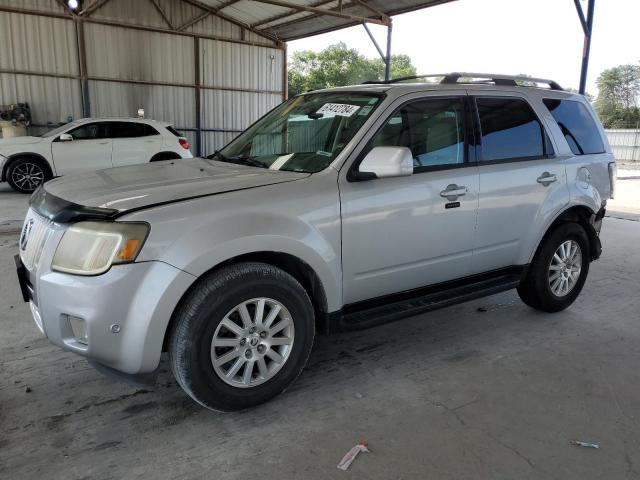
[{"x": 481, "y": 78}]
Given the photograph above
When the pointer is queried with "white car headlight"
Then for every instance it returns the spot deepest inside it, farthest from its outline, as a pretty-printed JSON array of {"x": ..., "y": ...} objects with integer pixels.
[{"x": 90, "y": 248}]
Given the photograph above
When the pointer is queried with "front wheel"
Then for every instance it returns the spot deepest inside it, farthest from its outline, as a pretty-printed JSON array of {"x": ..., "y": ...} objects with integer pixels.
[
  {"x": 241, "y": 336},
  {"x": 558, "y": 271},
  {"x": 26, "y": 174}
]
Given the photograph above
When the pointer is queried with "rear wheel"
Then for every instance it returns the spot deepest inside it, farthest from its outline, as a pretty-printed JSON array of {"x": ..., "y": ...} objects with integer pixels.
[
  {"x": 26, "y": 174},
  {"x": 241, "y": 336},
  {"x": 558, "y": 271}
]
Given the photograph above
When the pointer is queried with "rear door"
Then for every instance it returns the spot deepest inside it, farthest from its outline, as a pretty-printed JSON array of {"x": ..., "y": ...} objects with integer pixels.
[
  {"x": 134, "y": 142},
  {"x": 89, "y": 150},
  {"x": 406, "y": 232},
  {"x": 522, "y": 182}
]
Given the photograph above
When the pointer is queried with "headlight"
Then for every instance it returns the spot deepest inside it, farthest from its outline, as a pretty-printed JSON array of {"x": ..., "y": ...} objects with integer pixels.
[{"x": 90, "y": 248}]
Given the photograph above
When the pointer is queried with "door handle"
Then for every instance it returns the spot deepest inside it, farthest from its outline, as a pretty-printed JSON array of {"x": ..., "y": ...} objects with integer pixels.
[
  {"x": 103, "y": 143},
  {"x": 453, "y": 191},
  {"x": 546, "y": 179}
]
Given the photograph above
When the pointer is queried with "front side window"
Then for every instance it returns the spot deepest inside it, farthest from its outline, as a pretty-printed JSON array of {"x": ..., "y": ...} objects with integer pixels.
[
  {"x": 577, "y": 126},
  {"x": 90, "y": 131},
  {"x": 304, "y": 134},
  {"x": 510, "y": 129},
  {"x": 433, "y": 129}
]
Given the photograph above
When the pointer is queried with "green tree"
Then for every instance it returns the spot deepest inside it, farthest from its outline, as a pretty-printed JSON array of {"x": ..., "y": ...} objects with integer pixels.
[
  {"x": 337, "y": 66},
  {"x": 618, "y": 92}
]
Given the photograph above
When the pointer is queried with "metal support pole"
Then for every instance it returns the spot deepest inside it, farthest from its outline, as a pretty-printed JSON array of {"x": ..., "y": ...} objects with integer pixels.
[
  {"x": 82, "y": 66},
  {"x": 375, "y": 43},
  {"x": 586, "y": 49},
  {"x": 198, "y": 96},
  {"x": 387, "y": 69},
  {"x": 285, "y": 74}
]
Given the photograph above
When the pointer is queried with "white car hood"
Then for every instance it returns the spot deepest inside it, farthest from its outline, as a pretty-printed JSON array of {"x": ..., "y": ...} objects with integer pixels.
[
  {"x": 139, "y": 186},
  {"x": 10, "y": 142}
]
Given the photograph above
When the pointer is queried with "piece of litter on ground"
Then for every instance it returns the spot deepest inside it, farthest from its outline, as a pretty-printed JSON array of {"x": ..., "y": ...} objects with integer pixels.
[
  {"x": 584, "y": 444},
  {"x": 358, "y": 395},
  {"x": 352, "y": 454}
]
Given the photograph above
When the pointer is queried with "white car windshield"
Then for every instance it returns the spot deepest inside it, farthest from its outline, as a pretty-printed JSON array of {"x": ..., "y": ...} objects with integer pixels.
[{"x": 304, "y": 134}]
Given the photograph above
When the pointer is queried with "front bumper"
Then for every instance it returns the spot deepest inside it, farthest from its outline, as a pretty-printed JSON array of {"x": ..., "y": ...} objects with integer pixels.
[{"x": 139, "y": 298}]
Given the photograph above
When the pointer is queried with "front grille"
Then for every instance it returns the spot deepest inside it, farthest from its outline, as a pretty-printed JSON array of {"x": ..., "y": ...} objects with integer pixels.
[{"x": 34, "y": 234}]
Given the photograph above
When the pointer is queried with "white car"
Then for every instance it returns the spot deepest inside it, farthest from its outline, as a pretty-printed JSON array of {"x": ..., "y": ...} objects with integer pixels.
[{"x": 86, "y": 145}]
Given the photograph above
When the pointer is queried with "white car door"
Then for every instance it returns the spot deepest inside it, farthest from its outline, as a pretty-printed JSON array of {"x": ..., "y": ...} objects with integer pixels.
[
  {"x": 134, "y": 142},
  {"x": 88, "y": 150}
]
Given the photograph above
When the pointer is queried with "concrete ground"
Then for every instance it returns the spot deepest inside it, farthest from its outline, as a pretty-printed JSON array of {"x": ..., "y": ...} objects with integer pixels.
[{"x": 458, "y": 393}]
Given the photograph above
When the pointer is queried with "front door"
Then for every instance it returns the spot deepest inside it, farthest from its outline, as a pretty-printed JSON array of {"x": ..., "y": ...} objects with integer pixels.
[
  {"x": 89, "y": 150},
  {"x": 407, "y": 232}
]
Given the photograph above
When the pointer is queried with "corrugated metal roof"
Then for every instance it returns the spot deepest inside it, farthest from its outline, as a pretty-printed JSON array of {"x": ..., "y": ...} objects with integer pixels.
[{"x": 291, "y": 23}]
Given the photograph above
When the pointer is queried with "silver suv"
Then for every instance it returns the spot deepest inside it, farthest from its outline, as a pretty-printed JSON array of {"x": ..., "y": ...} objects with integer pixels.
[{"x": 339, "y": 209}]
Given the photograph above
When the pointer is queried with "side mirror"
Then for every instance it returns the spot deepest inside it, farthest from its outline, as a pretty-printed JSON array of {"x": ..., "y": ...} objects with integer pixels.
[
  {"x": 384, "y": 162},
  {"x": 65, "y": 137}
]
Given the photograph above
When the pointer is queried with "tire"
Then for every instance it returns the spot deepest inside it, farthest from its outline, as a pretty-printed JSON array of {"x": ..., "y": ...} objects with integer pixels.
[
  {"x": 25, "y": 174},
  {"x": 159, "y": 157},
  {"x": 202, "y": 318},
  {"x": 543, "y": 288}
]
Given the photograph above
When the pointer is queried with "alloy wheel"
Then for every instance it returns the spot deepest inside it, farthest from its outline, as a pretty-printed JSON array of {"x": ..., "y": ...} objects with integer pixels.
[
  {"x": 565, "y": 267},
  {"x": 27, "y": 176},
  {"x": 252, "y": 342}
]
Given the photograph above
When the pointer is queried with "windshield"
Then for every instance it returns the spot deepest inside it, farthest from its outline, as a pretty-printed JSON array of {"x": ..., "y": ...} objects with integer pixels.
[
  {"x": 60, "y": 129},
  {"x": 304, "y": 134}
]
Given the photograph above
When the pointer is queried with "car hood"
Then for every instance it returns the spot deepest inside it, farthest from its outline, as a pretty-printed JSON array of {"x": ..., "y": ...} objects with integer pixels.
[
  {"x": 122, "y": 189},
  {"x": 10, "y": 142}
]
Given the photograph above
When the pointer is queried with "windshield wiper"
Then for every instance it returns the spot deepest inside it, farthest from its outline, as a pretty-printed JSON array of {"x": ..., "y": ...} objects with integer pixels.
[
  {"x": 241, "y": 160},
  {"x": 219, "y": 155},
  {"x": 247, "y": 160}
]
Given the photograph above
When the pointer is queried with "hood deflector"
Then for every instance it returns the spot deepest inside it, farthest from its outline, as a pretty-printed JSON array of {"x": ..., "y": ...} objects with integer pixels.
[{"x": 59, "y": 210}]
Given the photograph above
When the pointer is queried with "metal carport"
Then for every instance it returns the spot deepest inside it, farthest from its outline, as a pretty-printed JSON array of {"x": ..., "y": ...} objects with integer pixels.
[{"x": 211, "y": 67}]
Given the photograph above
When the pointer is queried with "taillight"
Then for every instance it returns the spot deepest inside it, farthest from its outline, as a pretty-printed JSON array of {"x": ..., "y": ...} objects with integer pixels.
[
  {"x": 613, "y": 178},
  {"x": 184, "y": 143}
]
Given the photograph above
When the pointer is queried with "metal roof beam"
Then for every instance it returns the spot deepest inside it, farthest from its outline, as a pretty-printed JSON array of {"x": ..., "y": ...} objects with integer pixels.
[
  {"x": 282, "y": 16},
  {"x": 322, "y": 11},
  {"x": 216, "y": 12},
  {"x": 371, "y": 8},
  {"x": 193, "y": 21},
  {"x": 93, "y": 7},
  {"x": 163, "y": 14}
]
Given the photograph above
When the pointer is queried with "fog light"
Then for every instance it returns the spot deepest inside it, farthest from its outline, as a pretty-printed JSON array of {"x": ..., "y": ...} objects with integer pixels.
[{"x": 79, "y": 329}]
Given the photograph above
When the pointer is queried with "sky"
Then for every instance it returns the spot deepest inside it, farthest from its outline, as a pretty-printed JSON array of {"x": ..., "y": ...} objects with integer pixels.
[{"x": 541, "y": 38}]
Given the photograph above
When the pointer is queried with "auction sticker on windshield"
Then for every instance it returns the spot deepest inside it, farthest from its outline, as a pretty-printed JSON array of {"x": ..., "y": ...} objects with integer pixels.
[{"x": 341, "y": 109}]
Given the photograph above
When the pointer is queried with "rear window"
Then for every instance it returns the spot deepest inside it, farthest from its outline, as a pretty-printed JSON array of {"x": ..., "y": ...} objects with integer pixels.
[
  {"x": 510, "y": 129},
  {"x": 174, "y": 131},
  {"x": 577, "y": 126}
]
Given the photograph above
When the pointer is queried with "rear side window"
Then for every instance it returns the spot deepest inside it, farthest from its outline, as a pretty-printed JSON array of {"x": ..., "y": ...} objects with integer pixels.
[
  {"x": 509, "y": 129},
  {"x": 131, "y": 130},
  {"x": 577, "y": 126}
]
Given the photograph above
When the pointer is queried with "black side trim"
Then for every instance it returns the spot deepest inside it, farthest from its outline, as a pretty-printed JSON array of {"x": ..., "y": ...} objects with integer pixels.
[
  {"x": 393, "y": 307},
  {"x": 59, "y": 210}
]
